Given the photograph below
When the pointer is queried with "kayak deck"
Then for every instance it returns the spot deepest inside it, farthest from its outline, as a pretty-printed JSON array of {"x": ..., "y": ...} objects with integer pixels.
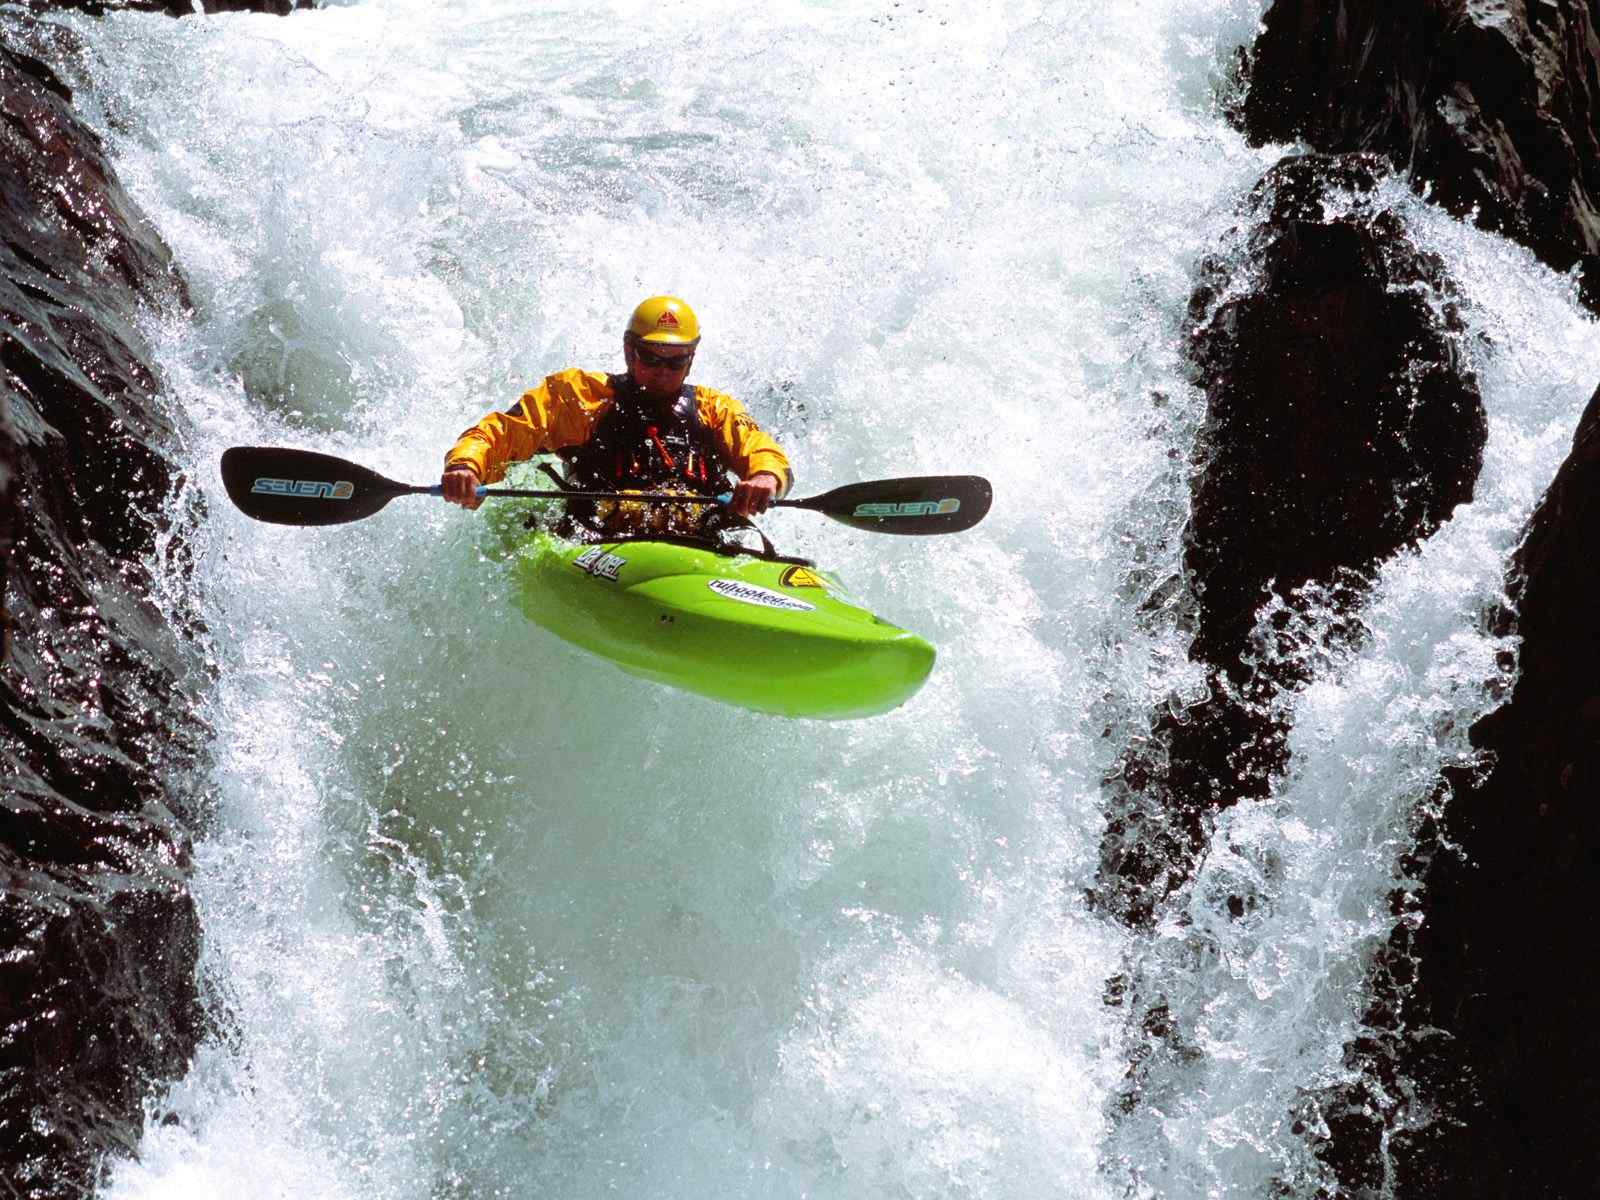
[{"x": 763, "y": 633}]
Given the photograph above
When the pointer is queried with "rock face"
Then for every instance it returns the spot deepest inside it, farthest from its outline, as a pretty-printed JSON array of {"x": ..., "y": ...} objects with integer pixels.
[
  {"x": 1341, "y": 426},
  {"x": 1506, "y": 958},
  {"x": 1480, "y": 1063},
  {"x": 98, "y": 935},
  {"x": 1495, "y": 994},
  {"x": 1492, "y": 105},
  {"x": 1342, "y": 422},
  {"x": 1479, "y": 1068}
]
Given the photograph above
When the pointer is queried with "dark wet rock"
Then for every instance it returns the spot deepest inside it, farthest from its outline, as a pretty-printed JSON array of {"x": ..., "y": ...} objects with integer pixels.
[
  {"x": 98, "y": 936},
  {"x": 1478, "y": 1071},
  {"x": 1493, "y": 106},
  {"x": 1342, "y": 425},
  {"x": 1481, "y": 1054},
  {"x": 1342, "y": 420}
]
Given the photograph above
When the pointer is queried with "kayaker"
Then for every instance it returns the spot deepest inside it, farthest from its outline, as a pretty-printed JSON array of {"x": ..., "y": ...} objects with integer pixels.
[{"x": 646, "y": 430}]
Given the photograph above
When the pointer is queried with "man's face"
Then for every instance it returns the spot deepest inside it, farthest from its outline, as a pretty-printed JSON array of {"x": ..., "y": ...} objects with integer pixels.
[{"x": 656, "y": 368}]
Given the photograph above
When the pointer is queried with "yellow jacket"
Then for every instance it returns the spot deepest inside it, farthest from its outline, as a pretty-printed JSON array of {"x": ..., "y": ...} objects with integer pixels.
[{"x": 567, "y": 407}]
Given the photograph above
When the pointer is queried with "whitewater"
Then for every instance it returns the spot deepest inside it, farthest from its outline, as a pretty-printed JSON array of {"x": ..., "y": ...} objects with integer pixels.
[{"x": 484, "y": 916}]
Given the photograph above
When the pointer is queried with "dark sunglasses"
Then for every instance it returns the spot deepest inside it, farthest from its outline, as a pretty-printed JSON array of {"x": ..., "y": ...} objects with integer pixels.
[{"x": 678, "y": 362}]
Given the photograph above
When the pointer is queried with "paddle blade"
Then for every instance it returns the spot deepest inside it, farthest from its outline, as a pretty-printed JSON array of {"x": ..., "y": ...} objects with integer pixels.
[
  {"x": 302, "y": 487},
  {"x": 918, "y": 505}
]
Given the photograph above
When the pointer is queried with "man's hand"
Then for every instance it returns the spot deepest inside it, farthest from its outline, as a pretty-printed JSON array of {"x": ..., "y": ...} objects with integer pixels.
[
  {"x": 460, "y": 486},
  {"x": 756, "y": 494}
]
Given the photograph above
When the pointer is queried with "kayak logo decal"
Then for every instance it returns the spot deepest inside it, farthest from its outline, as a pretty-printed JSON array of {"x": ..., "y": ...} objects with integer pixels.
[
  {"x": 910, "y": 508},
  {"x": 600, "y": 563},
  {"x": 313, "y": 489},
  {"x": 749, "y": 593},
  {"x": 801, "y": 577}
]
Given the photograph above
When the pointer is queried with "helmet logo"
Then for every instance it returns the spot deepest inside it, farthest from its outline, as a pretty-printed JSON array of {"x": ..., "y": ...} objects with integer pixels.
[{"x": 667, "y": 320}]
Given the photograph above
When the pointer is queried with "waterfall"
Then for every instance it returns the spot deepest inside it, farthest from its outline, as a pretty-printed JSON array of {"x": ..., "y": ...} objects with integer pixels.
[{"x": 484, "y": 916}]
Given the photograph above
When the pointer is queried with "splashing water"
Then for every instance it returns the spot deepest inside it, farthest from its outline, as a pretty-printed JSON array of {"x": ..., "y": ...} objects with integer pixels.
[{"x": 485, "y": 917}]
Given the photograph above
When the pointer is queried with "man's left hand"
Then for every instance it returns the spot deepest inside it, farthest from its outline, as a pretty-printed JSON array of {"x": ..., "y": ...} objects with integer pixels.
[{"x": 755, "y": 495}]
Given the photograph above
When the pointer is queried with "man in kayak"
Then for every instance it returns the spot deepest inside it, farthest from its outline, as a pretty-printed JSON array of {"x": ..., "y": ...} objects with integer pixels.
[{"x": 646, "y": 430}]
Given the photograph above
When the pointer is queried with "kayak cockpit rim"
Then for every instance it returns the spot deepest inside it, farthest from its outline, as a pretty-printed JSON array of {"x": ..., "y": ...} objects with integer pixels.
[{"x": 725, "y": 549}]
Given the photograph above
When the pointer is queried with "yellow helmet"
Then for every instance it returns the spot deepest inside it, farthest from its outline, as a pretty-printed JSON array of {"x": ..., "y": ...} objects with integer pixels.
[{"x": 665, "y": 319}]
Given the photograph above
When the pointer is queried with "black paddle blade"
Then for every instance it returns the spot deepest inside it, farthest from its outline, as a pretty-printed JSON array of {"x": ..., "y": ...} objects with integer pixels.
[
  {"x": 302, "y": 487},
  {"x": 919, "y": 504}
]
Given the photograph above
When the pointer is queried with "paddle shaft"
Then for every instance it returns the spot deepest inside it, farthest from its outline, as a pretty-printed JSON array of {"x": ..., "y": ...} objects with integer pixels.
[
  {"x": 285, "y": 486},
  {"x": 550, "y": 494}
]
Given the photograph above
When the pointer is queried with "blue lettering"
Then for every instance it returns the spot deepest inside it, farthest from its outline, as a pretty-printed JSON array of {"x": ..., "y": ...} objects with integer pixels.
[
  {"x": 314, "y": 489},
  {"x": 910, "y": 508}
]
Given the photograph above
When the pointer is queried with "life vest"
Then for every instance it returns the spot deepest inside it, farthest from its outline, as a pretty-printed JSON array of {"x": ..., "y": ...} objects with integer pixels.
[{"x": 635, "y": 446}]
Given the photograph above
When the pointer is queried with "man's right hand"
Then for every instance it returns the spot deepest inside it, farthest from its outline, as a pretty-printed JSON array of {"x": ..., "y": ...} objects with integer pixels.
[{"x": 460, "y": 486}]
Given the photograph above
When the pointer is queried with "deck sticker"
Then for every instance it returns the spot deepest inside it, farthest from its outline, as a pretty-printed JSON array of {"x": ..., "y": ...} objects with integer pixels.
[
  {"x": 749, "y": 593},
  {"x": 600, "y": 563},
  {"x": 801, "y": 577}
]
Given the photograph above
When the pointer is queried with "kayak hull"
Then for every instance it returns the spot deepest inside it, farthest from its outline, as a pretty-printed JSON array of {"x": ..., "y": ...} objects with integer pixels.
[{"x": 762, "y": 634}]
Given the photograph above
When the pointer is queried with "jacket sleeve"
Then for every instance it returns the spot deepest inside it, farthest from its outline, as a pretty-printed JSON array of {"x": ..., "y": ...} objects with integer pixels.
[
  {"x": 746, "y": 448},
  {"x": 561, "y": 411}
]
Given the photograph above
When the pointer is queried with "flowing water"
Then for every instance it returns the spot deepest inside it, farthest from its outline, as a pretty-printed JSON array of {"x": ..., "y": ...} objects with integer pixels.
[{"x": 485, "y": 917}]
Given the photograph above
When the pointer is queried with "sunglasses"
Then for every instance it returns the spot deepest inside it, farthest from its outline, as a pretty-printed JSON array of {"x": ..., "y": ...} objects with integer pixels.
[{"x": 678, "y": 362}]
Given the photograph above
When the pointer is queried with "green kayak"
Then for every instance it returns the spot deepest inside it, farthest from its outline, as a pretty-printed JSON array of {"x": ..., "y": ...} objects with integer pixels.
[{"x": 770, "y": 634}]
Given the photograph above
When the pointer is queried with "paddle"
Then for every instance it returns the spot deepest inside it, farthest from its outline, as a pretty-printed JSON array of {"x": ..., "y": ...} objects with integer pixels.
[{"x": 302, "y": 487}]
